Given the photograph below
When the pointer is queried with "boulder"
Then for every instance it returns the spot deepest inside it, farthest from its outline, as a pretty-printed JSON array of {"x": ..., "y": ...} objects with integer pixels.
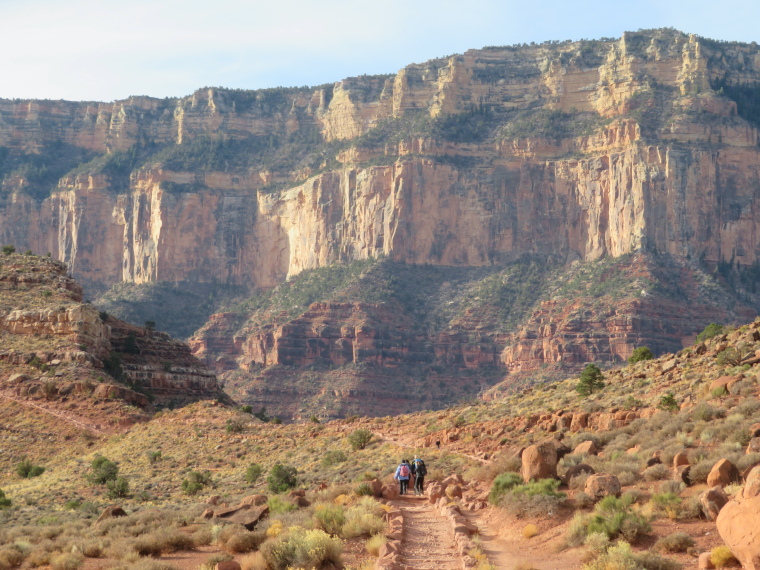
[
  {"x": 654, "y": 461},
  {"x": 600, "y": 485},
  {"x": 454, "y": 491},
  {"x": 752, "y": 486},
  {"x": 377, "y": 487},
  {"x": 246, "y": 515},
  {"x": 712, "y": 501},
  {"x": 754, "y": 430},
  {"x": 213, "y": 500},
  {"x": 208, "y": 514},
  {"x": 739, "y": 526},
  {"x": 539, "y": 461},
  {"x": 580, "y": 421},
  {"x": 683, "y": 473},
  {"x": 680, "y": 459},
  {"x": 576, "y": 470},
  {"x": 586, "y": 448},
  {"x": 389, "y": 492},
  {"x": 254, "y": 500},
  {"x": 111, "y": 512},
  {"x": 705, "y": 563},
  {"x": 723, "y": 473},
  {"x": 753, "y": 446}
]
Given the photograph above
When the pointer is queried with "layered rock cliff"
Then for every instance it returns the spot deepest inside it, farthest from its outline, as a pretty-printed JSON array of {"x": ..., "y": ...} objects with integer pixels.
[
  {"x": 584, "y": 150},
  {"x": 53, "y": 345}
]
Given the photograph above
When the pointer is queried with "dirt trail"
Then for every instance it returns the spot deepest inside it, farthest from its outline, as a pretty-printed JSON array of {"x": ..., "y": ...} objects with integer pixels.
[
  {"x": 428, "y": 542},
  {"x": 63, "y": 416},
  {"x": 399, "y": 443}
]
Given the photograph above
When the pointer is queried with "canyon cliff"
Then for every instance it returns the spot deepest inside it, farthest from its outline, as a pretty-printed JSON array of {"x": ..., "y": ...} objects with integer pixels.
[{"x": 646, "y": 145}]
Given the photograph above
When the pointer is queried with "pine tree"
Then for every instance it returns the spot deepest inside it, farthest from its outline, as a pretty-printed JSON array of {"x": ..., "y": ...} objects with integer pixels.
[{"x": 590, "y": 381}]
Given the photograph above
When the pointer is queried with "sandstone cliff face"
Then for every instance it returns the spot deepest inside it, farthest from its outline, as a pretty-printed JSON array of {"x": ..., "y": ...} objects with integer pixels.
[{"x": 583, "y": 150}]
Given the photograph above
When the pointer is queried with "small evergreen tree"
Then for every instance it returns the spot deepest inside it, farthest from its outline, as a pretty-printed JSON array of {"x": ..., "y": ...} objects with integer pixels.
[
  {"x": 639, "y": 354},
  {"x": 711, "y": 330},
  {"x": 4, "y": 502},
  {"x": 591, "y": 380},
  {"x": 359, "y": 438},
  {"x": 103, "y": 470},
  {"x": 253, "y": 473},
  {"x": 668, "y": 402},
  {"x": 282, "y": 478}
]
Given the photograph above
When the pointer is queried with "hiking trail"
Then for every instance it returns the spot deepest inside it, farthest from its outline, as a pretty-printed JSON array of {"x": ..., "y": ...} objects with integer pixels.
[{"x": 428, "y": 539}]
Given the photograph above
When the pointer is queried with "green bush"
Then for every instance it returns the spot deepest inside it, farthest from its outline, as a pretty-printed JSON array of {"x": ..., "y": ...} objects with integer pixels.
[
  {"x": 8, "y": 249},
  {"x": 195, "y": 482},
  {"x": 278, "y": 505},
  {"x": 729, "y": 357},
  {"x": 118, "y": 488},
  {"x": 359, "y": 438},
  {"x": 668, "y": 403},
  {"x": 282, "y": 478},
  {"x": 363, "y": 490},
  {"x": 639, "y": 354},
  {"x": 4, "y": 501},
  {"x": 301, "y": 548},
  {"x": 103, "y": 470},
  {"x": 27, "y": 469},
  {"x": 330, "y": 518},
  {"x": 613, "y": 516},
  {"x": 234, "y": 425},
  {"x": 333, "y": 457},
  {"x": 502, "y": 484},
  {"x": 253, "y": 473},
  {"x": 591, "y": 380},
  {"x": 709, "y": 332},
  {"x": 676, "y": 542}
]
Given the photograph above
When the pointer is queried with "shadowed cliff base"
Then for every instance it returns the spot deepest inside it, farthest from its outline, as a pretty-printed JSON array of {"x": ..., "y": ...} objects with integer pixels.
[{"x": 379, "y": 337}]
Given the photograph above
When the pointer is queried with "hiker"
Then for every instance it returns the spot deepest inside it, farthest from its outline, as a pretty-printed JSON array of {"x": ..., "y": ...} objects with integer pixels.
[
  {"x": 403, "y": 472},
  {"x": 438, "y": 444},
  {"x": 419, "y": 470}
]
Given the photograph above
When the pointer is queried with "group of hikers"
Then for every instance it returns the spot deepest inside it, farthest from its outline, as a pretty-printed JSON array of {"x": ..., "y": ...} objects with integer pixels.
[{"x": 415, "y": 470}]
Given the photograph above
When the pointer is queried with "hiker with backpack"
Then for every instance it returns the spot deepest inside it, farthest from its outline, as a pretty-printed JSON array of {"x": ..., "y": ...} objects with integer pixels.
[
  {"x": 419, "y": 470},
  {"x": 403, "y": 472}
]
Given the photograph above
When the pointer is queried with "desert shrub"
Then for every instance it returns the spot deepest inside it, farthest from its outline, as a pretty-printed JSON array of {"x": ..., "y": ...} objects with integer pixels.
[
  {"x": 666, "y": 503},
  {"x": 359, "y": 438},
  {"x": 612, "y": 517},
  {"x": 244, "y": 542},
  {"x": 118, "y": 488},
  {"x": 102, "y": 470},
  {"x": 639, "y": 354},
  {"x": 301, "y": 548},
  {"x": 591, "y": 380},
  {"x": 92, "y": 549},
  {"x": 719, "y": 392},
  {"x": 698, "y": 473},
  {"x": 583, "y": 500},
  {"x": 278, "y": 504},
  {"x": 195, "y": 482},
  {"x": 374, "y": 543},
  {"x": 721, "y": 556},
  {"x": 709, "y": 332},
  {"x": 9, "y": 248},
  {"x": 330, "y": 518},
  {"x": 673, "y": 487},
  {"x": 67, "y": 561},
  {"x": 668, "y": 402},
  {"x": 627, "y": 478},
  {"x": 282, "y": 478},
  {"x": 656, "y": 472},
  {"x": 5, "y": 502},
  {"x": 579, "y": 481},
  {"x": 11, "y": 556},
  {"x": 748, "y": 460},
  {"x": 502, "y": 484},
  {"x": 363, "y": 519},
  {"x": 537, "y": 498},
  {"x": 234, "y": 425},
  {"x": 676, "y": 542},
  {"x": 253, "y": 473},
  {"x": 729, "y": 357},
  {"x": 333, "y": 457},
  {"x": 363, "y": 490},
  {"x": 27, "y": 469}
]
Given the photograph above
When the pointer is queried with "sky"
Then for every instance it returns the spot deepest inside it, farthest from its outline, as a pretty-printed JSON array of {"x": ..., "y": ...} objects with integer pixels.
[{"x": 102, "y": 50}]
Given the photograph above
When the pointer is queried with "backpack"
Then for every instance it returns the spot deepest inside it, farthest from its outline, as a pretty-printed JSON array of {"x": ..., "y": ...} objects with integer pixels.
[
  {"x": 403, "y": 470},
  {"x": 419, "y": 467}
]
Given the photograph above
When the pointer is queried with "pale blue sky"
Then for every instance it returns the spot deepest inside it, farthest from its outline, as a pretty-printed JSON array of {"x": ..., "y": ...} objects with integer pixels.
[{"x": 101, "y": 50}]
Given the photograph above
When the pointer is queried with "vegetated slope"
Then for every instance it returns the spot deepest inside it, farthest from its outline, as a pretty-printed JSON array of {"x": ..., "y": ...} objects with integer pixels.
[
  {"x": 701, "y": 401},
  {"x": 378, "y": 337},
  {"x": 74, "y": 371},
  {"x": 586, "y": 150}
]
